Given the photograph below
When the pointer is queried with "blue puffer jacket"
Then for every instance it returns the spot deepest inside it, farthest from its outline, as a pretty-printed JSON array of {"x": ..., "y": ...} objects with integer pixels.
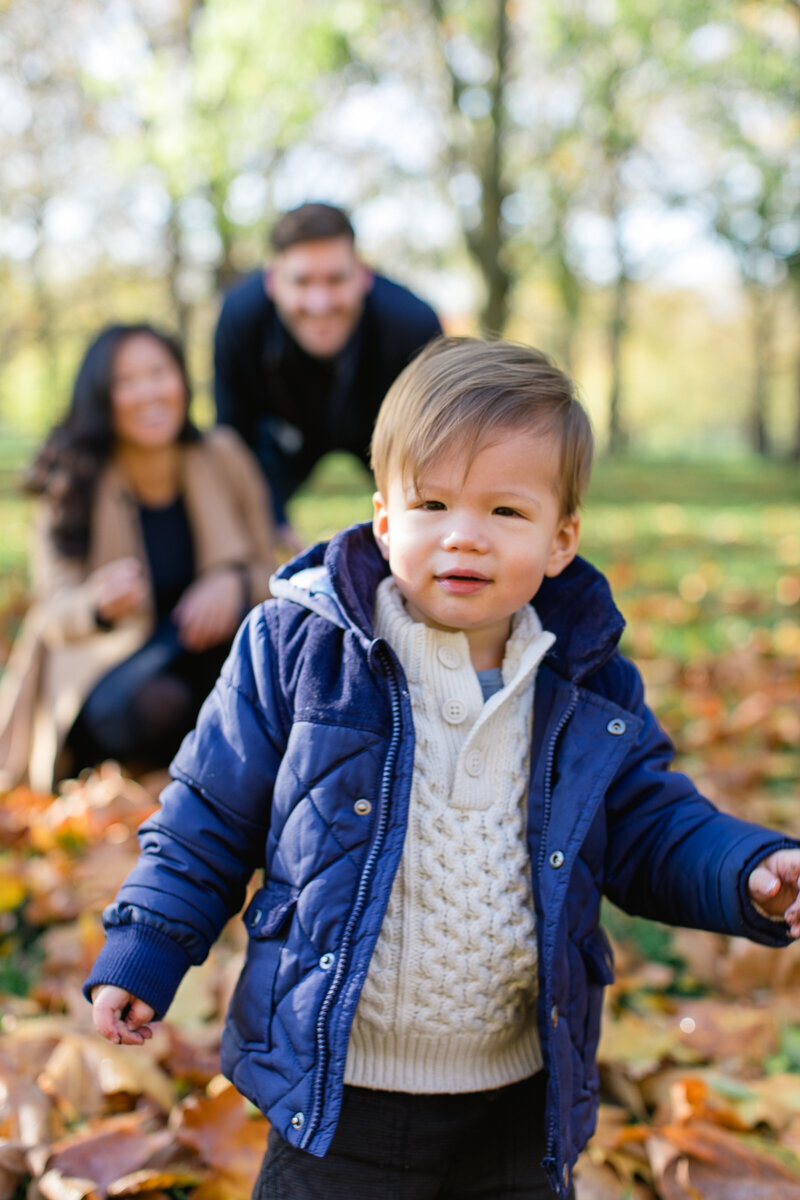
[{"x": 311, "y": 717}]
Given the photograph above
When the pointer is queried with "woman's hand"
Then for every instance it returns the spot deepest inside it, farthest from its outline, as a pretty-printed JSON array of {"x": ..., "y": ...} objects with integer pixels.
[
  {"x": 118, "y": 588},
  {"x": 209, "y": 611},
  {"x": 121, "y": 1016}
]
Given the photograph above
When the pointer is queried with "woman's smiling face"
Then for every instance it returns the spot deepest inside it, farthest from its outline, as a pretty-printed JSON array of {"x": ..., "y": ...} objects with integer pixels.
[
  {"x": 471, "y": 543},
  {"x": 148, "y": 393}
]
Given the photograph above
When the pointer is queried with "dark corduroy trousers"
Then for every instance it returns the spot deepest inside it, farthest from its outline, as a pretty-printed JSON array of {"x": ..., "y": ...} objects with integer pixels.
[{"x": 397, "y": 1146}]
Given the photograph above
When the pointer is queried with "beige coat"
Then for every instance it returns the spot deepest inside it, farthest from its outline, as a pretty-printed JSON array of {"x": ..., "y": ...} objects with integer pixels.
[{"x": 60, "y": 653}]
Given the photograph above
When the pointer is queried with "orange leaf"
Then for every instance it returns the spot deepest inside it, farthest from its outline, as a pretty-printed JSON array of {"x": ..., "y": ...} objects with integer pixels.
[{"x": 220, "y": 1129}]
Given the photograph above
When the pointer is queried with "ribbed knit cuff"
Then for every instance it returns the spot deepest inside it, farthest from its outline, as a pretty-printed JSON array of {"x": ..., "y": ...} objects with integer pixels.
[
  {"x": 142, "y": 960},
  {"x": 430, "y": 1063}
]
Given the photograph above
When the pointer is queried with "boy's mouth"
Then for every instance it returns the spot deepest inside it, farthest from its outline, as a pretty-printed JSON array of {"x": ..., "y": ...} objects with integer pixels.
[{"x": 462, "y": 582}]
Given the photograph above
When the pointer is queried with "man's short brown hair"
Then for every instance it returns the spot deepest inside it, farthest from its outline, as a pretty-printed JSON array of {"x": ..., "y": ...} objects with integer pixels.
[
  {"x": 459, "y": 393},
  {"x": 310, "y": 223}
]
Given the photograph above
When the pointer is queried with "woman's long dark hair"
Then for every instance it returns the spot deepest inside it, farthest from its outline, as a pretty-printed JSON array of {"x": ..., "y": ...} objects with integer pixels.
[{"x": 67, "y": 467}]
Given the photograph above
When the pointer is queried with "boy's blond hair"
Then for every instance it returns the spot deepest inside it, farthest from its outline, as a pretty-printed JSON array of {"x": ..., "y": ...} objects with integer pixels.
[{"x": 460, "y": 393}]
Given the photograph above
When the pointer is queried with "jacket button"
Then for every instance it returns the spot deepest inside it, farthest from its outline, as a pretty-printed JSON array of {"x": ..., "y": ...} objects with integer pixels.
[
  {"x": 297, "y": 1121},
  {"x": 616, "y": 727},
  {"x": 256, "y": 917},
  {"x": 556, "y": 859},
  {"x": 448, "y": 656},
  {"x": 554, "y": 1016},
  {"x": 362, "y": 807},
  {"x": 565, "y": 1175},
  {"x": 326, "y": 962},
  {"x": 454, "y": 711}
]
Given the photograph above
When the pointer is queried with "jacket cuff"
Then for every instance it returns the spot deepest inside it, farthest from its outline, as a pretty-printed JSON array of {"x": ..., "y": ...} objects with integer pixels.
[
  {"x": 761, "y": 926},
  {"x": 142, "y": 960}
]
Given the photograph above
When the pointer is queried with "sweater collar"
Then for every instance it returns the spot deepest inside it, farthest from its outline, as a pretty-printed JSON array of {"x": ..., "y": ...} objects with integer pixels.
[
  {"x": 339, "y": 579},
  {"x": 414, "y": 642}
]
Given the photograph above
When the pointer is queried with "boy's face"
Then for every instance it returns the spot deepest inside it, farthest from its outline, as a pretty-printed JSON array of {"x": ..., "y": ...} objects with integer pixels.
[{"x": 469, "y": 550}]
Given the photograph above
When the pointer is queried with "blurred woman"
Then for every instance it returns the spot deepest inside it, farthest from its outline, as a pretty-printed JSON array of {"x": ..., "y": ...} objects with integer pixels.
[{"x": 151, "y": 542}]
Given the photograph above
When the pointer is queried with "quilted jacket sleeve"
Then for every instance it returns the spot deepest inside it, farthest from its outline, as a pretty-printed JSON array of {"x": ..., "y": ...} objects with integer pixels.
[
  {"x": 200, "y": 849},
  {"x": 672, "y": 856}
]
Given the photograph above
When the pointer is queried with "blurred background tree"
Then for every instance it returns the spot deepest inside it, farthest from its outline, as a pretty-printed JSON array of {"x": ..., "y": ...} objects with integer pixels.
[{"x": 613, "y": 180}]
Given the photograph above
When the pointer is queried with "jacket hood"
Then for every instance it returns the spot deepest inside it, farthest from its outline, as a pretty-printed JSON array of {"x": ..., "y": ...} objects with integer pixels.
[{"x": 338, "y": 579}]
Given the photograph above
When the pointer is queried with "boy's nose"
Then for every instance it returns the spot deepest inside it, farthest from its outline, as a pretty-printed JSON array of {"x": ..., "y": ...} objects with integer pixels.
[{"x": 466, "y": 536}]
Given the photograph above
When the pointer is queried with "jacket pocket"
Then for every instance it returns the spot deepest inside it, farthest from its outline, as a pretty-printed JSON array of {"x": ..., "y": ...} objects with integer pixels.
[
  {"x": 266, "y": 918},
  {"x": 598, "y": 961},
  {"x": 598, "y": 957}
]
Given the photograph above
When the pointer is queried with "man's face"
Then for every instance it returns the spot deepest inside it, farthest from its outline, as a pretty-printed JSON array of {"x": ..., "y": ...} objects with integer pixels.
[{"x": 319, "y": 288}]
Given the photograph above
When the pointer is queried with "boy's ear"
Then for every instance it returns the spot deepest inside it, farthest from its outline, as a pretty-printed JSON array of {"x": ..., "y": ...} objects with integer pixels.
[
  {"x": 565, "y": 545},
  {"x": 380, "y": 524}
]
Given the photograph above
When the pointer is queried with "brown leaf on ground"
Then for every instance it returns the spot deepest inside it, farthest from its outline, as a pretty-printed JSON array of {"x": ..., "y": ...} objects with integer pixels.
[
  {"x": 18, "y": 809},
  {"x": 193, "y": 1060},
  {"x": 715, "y": 1029},
  {"x": 84, "y": 1072},
  {"x": 747, "y": 967},
  {"x": 144, "y": 1182},
  {"x": 13, "y": 1168},
  {"x": 123, "y": 1155},
  {"x": 27, "y": 1115},
  {"x": 600, "y": 1182},
  {"x": 640, "y": 1044},
  {"x": 618, "y": 1148},
  {"x": 710, "y": 1163},
  {"x": 227, "y": 1138}
]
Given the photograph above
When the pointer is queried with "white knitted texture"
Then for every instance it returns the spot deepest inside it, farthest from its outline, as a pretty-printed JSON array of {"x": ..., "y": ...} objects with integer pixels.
[{"x": 448, "y": 1004}]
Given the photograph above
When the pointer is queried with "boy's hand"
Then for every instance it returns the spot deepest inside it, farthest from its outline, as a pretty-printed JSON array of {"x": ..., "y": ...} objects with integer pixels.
[
  {"x": 774, "y": 885},
  {"x": 119, "y": 1016}
]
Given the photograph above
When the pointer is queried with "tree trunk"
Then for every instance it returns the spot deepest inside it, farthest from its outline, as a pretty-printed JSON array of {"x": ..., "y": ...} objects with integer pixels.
[
  {"x": 181, "y": 309},
  {"x": 488, "y": 241},
  {"x": 485, "y": 151},
  {"x": 618, "y": 328},
  {"x": 794, "y": 453},
  {"x": 569, "y": 289},
  {"x": 757, "y": 421}
]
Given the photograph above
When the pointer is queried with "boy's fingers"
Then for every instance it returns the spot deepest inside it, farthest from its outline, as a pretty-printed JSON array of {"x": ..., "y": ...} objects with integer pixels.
[
  {"x": 119, "y": 1016},
  {"x": 763, "y": 882},
  {"x": 138, "y": 1018}
]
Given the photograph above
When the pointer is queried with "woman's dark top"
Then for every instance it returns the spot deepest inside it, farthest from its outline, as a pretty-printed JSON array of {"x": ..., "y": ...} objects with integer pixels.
[{"x": 170, "y": 553}]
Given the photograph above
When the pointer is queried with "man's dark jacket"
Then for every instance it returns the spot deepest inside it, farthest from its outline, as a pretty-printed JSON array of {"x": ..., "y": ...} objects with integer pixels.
[
  {"x": 292, "y": 408},
  {"x": 312, "y": 715}
]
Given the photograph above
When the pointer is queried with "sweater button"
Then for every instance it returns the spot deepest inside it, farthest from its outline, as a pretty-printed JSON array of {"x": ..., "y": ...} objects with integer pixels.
[
  {"x": 297, "y": 1121},
  {"x": 362, "y": 807},
  {"x": 474, "y": 763},
  {"x": 556, "y": 859},
  {"x": 326, "y": 962},
  {"x": 616, "y": 727},
  {"x": 448, "y": 656},
  {"x": 454, "y": 711}
]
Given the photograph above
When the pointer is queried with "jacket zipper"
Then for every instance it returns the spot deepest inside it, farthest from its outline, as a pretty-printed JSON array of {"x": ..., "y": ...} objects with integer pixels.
[
  {"x": 552, "y": 1129},
  {"x": 358, "y": 907}
]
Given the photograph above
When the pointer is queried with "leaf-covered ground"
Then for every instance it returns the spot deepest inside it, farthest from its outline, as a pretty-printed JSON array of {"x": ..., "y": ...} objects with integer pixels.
[{"x": 700, "y": 1056}]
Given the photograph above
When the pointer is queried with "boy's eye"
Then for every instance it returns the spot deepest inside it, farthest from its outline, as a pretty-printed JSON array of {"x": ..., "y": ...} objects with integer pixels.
[
  {"x": 431, "y": 505},
  {"x": 503, "y": 510}
]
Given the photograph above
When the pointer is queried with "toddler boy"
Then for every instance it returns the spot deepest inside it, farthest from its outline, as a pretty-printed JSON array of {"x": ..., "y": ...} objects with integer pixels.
[{"x": 430, "y": 744}]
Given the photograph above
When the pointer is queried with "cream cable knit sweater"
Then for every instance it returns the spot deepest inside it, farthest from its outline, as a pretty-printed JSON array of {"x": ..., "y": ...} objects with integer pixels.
[{"x": 449, "y": 1002}]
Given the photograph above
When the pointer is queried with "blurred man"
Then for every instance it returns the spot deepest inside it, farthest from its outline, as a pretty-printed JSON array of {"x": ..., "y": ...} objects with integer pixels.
[{"x": 306, "y": 350}]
